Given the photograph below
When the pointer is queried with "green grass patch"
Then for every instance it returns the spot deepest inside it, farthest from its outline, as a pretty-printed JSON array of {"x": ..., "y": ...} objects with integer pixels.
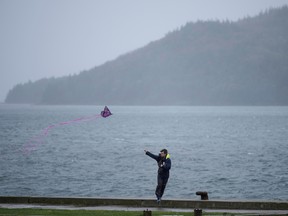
[{"x": 50, "y": 212}]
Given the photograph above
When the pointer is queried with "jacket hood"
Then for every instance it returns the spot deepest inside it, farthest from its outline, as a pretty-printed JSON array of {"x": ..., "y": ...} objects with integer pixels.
[{"x": 167, "y": 156}]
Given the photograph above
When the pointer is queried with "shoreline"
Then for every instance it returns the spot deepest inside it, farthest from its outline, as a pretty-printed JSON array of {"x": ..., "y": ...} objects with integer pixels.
[{"x": 144, "y": 203}]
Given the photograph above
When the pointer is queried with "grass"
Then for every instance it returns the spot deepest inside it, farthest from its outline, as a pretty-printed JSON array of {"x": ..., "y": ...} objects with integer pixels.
[{"x": 49, "y": 212}]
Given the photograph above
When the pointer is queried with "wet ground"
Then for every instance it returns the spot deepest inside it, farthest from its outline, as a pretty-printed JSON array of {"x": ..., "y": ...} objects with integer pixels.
[{"x": 125, "y": 208}]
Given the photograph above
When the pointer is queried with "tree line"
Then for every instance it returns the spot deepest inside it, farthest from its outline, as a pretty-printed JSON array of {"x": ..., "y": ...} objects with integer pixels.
[{"x": 202, "y": 63}]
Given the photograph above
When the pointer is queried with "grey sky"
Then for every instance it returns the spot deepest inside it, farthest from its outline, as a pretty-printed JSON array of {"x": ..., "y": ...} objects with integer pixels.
[{"x": 45, "y": 38}]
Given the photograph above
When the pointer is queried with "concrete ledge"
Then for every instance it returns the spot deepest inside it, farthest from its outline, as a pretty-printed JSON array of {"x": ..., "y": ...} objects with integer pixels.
[{"x": 146, "y": 203}]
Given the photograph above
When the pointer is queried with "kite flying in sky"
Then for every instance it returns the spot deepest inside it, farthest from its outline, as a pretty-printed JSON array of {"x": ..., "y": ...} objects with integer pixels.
[
  {"x": 34, "y": 142},
  {"x": 106, "y": 112}
]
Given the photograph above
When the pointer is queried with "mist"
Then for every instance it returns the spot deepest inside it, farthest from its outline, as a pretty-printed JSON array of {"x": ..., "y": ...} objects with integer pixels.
[{"x": 44, "y": 39}]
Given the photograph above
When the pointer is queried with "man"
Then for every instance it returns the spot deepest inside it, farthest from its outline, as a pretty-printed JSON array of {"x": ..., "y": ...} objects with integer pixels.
[{"x": 164, "y": 165}]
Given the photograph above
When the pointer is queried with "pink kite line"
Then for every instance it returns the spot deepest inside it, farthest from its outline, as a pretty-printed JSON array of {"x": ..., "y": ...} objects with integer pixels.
[{"x": 36, "y": 141}]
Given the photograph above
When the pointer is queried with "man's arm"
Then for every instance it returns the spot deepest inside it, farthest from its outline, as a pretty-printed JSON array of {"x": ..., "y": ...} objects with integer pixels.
[{"x": 151, "y": 155}]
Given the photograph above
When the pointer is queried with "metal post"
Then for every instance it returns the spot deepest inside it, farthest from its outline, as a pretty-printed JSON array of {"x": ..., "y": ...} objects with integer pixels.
[
  {"x": 197, "y": 212},
  {"x": 203, "y": 194},
  {"x": 147, "y": 213}
]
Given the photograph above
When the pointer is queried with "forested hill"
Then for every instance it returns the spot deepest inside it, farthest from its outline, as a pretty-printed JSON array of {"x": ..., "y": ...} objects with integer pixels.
[{"x": 202, "y": 63}]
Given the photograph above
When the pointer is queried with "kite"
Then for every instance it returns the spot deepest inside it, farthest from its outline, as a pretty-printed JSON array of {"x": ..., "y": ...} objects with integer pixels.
[
  {"x": 36, "y": 141},
  {"x": 106, "y": 112}
]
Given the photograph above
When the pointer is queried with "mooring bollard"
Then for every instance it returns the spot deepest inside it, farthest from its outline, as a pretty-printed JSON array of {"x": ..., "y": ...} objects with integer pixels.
[
  {"x": 197, "y": 212},
  {"x": 203, "y": 194},
  {"x": 147, "y": 213}
]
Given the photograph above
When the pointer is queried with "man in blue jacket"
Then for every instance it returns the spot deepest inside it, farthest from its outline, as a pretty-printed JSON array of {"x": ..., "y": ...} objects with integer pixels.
[{"x": 164, "y": 165}]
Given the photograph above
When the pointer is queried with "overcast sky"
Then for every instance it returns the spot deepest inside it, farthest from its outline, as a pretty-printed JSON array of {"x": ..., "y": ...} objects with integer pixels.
[{"x": 45, "y": 38}]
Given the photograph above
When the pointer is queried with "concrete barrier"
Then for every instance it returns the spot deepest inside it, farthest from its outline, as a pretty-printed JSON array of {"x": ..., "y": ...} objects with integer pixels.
[{"x": 146, "y": 203}]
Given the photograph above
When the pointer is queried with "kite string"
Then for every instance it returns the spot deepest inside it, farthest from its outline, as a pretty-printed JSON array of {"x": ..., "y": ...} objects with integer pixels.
[
  {"x": 79, "y": 119},
  {"x": 36, "y": 141}
]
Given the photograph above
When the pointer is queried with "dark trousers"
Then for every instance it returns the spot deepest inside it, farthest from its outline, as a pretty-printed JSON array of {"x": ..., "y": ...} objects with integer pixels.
[{"x": 161, "y": 184}]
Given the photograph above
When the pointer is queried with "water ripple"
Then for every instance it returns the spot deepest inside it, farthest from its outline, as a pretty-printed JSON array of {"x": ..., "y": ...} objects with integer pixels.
[{"x": 231, "y": 152}]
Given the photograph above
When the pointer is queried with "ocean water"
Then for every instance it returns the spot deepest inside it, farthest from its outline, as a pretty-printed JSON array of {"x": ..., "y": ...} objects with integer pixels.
[{"x": 230, "y": 152}]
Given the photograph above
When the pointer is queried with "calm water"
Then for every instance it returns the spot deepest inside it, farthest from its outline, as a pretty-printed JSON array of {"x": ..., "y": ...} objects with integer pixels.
[{"x": 231, "y": 152}]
